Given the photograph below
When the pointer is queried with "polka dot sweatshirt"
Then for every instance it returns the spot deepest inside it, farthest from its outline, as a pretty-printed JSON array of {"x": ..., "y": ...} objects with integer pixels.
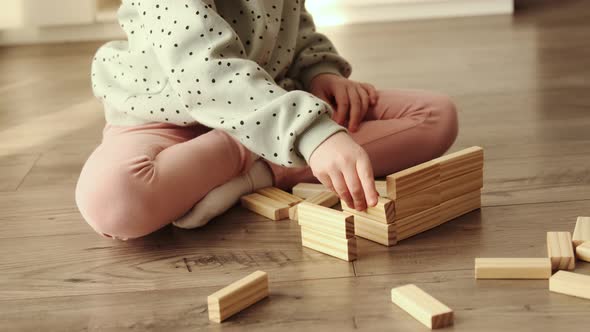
[{"x": 241, "y": 66}]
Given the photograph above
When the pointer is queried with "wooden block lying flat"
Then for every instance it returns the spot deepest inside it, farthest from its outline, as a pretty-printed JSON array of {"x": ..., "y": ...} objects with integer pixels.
[
  {"x": 512, "y": 268},
  {"x": 461, "y": 205},
  {"x": 375, "y": 231},
  {"x": 417, "y": 202},
  {"x": 279, "y": 195},
  {"x": 381, "y": 187},
  {"x": 582, "y": 231},
  {"x": 413, "y": 179},
  {"x": 460, "y": 162},
  {"x": 306, "y": 190},
  {"x": 422, "y": 306},
  {"x": 383, "y": 212},
  {"x": 462, "y": 184},
  {"x": 335, "y": 246},
  {"x": 418, "y": 223},
  {"x": 324, "y": 198},
  {"x": 265, "y": 206},
  {"x": 582, "y": 251},
  {"x": 570, "y": 283},
  {"x": 237, "y": 296},
  {"x": 325, "y": 220},
  {"x": 560, "y": 250}
]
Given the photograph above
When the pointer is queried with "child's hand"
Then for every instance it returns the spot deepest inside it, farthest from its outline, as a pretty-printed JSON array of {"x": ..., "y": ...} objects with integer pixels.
[
  {"x": 343, "y": 166},
  {"x": 351, "y": 100}
]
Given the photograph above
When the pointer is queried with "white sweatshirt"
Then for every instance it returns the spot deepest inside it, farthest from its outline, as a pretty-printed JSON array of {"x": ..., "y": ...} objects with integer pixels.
[{"x": 236, "y": 65}]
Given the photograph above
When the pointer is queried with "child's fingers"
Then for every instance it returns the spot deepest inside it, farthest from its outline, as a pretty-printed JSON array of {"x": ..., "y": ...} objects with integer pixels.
[
  {"x": 342, "y": 105},
  {"x": 355, "y": 116},
  {"x": 373, "y": 95},
  {"x": 364, "y": 99},
  {"x": 355, "y": 187},
  {"x": 365, "y": 174},
  {"x": 341, "y": 188}
]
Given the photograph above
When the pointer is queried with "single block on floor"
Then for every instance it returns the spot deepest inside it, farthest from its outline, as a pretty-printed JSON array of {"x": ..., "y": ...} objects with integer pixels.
[
  {"x": 512, "y": 268},
  {"x": 561, "y": 250},
  {"x": 570, "y": 283},
  {"x": 383, "y": 212},
  {"x": 339, "y": 247},
  {"x": 265, "y": 206},
  {"x": 279, "y": 195},
  {"x": 422, "y": 306},
  {"x": 237, "y": 296},
  {"x": 582, "y": 231}
]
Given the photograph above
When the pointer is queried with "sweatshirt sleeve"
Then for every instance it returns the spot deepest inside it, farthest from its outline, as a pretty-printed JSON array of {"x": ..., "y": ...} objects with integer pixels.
[
  {"x": 315, "y": 54},
  {"x": 220, "y": 88}
]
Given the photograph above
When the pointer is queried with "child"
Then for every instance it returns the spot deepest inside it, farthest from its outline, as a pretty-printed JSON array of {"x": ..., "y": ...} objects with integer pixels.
[{"x": 209, "y": 100}]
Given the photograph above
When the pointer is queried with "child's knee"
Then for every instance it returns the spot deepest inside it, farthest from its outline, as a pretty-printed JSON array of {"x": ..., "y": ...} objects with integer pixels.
[
  {"x": 447, "y": 127},
  {"x": 114, "y": 202}
]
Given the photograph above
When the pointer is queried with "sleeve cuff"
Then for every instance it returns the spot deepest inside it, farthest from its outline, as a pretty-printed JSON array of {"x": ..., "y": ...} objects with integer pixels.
[
  {"x": 315, "y": 135},
  {"x": 309, "y": 74}
]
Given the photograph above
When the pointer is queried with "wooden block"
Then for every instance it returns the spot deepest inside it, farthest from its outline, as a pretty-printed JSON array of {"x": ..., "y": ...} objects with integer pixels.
[
  {"x": 582, "y": 251},
  {"x": 462, "y": 184},
  {"x": 325, "y": 220},
  {"x": 413, "y": 179},
  {"x": 560, "y": 250},
  {"x": 461, "y": 205},
  {"x": 383, "y": 212},
  {"x": 381, "y": 187},
  {"x": 422, "y": 306},
  {"x": 306, "y": 190},
  {"x": 237, "y": 296},
  {"x": 370, "y": 229},
  {"x": 582, "y": 231},
  {"x": 512, "y": 268},
  {"x": 417, "y": 202},
  {"x": 418, "y": 223},
  {"x": 335, "y": 246},
  {"x": 279, "y": 195},
  {"x": 265, "y": 206},
  {"x": 460, "y": 162},
  {"x": 569, "y": 283},
  {"x": 324, "y": 198}
]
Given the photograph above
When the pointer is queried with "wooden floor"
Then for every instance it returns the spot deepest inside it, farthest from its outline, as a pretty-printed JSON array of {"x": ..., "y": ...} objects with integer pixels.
[{"x": 523, "y": 88}]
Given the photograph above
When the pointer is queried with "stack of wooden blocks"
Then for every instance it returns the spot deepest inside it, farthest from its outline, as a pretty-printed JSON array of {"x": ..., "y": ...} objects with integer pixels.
[{"x": 425, "y": 196}]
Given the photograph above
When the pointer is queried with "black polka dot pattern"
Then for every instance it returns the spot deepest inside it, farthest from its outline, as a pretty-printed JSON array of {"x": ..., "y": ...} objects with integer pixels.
[{"x": 236, "y": 65}]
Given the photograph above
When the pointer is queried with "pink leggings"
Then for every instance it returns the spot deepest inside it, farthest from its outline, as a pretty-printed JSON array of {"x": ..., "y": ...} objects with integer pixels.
[{"x": 142, "y": 178}]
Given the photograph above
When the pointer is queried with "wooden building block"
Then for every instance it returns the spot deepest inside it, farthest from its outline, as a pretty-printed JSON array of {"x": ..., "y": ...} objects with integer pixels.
[
  {"x": 582, "y": 231},
  {"x": 560, "y": 250},
  {"x": 338, "y": 247},
  {"x": 512, "y": 268},
  {"x": 569, "y": 283},
  {"x": 383, "y": 212},
  {"x": 306, "y": 190},
  {"x": 325, "y": 220},
  {"x": 279, "y": 195},
  {"x": 413, "y": 179},
  {"x": 237, "y": 296},
  {"x": 417, "y": 202},
  {"x": 375, "y": 231},
  {"x": 582, "y": 251},
  {"x": 418, "y": 223},
  {"x": 460, "y": 205},
  {"x": 462, "y": 184},
  {"x": 324, "y": 198},
  {"x": 460, "y": 162},
  {"x": 381, "y": 187},
  {"x": 265, "y": 206},
  {"x": 422, "y": 306}
]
